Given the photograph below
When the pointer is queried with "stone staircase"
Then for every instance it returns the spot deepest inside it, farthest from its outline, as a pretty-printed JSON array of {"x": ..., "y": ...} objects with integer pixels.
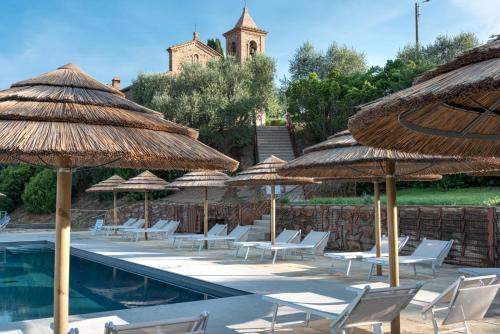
[
  {"x": 274, "y": 140},
  {"x": 260, "y": 230}
]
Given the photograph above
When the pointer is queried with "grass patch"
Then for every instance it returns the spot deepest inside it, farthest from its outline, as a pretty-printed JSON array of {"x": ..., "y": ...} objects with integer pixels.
[{"x": 468, "y": 196}]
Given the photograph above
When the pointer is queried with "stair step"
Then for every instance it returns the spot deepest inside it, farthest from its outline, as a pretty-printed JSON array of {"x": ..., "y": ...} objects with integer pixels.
[
  {"x": 259, "y": 229},
  {"x": 262, "y": 222}
]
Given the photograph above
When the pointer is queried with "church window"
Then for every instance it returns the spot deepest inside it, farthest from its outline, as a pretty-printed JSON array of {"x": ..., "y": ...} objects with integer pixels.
[
  {"x": 233, "y": 49},
  {"x": 196, "y": 58}
]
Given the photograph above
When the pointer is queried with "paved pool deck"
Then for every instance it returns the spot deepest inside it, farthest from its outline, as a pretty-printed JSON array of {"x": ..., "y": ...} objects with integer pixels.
[{"x": 240, "y": 314}]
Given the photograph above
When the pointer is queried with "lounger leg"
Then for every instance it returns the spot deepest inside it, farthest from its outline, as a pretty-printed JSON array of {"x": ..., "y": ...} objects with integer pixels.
[
  {"x": 237, "y": 251},
  {"x": 433, "y": 270},
  {"x": 246, "y": 254},
  {"x": 415, "y": 269},
  {"x": 434, "y": 322},
  {"x": 201, "y": 246},
  {"x": 308, "y": 318},
  {"x": 348, "y": 268},
  {"x": 377, "y": 329},
  {"x": 275, "y": 255},
  {"x": 275, "y": 314},
  {"x": 371, "y": 272},
  {"x": 262, "y": 256},
  {"x": 331, "y": 270}
]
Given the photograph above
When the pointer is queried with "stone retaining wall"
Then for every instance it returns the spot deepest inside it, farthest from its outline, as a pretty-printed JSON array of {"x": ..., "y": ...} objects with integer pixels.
[{"x": 475, "y": 230}]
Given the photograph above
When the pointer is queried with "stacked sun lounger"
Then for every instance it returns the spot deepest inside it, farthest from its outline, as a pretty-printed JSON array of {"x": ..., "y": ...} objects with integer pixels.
[
  {"x": 286, "y": 236},
  {"x": 351, "y": 256},
  {"x": 162, "y": 228},
  {"x": 313, "y": 244},
  {"x": 238, "y": 234},
  {"x": 179, "y": 238}
]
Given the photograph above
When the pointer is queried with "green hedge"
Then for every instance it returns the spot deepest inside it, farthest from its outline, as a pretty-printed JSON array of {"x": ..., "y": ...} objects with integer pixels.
[
  {"x": 12, "y": 181},
  {"x": 40, "y": 193}
]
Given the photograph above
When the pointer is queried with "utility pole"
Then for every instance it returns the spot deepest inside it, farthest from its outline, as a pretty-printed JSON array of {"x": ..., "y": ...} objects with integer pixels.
[{"x": 417, "y": 16}]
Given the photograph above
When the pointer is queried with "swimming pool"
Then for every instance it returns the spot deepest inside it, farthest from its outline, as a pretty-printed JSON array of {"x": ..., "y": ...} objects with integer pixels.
[{"x": 27, "y": 273}]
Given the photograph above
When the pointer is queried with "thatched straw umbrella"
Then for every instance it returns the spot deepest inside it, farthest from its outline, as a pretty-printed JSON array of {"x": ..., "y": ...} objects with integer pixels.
[
  {"x": 145, "y": 182},
  {"x": 106, "y": 186},
  {"x": 264, "y": 174},
  {"x": 65, "y": 119},
  {"x": 453, "y": 109},
  {"x": 341, "y": 156},
  {"x": 204, "y": 180},
  {"x": 486, "y": 173}
]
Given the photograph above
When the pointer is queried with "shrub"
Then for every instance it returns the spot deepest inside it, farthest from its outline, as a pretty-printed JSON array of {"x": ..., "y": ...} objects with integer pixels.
[
  {"x": 12, "y": 181},
  {"x": 40, "y": 193}
]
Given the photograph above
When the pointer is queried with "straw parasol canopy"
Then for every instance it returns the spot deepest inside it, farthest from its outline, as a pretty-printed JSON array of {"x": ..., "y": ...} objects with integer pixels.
[
  {"x": 265, "y": 174},
  {"x": 67, "y": 119},
  {"x": 202, "y": 179},
  {"x": 453, "y": 109},
  {"x": 145, "y": 182},
  {"x": 379, "y": 179},
  {"x": 486, "y": 173},
  {"x": 341, "y": 156},
  {"x": 106, "y": 186}
]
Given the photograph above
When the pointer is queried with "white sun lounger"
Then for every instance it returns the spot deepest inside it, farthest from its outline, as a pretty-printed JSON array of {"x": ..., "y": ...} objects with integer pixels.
[
  {"x": 217, "y": 229},
  {"x": 239, "y": 233},
  {"x": 431, "y": 252},
  {"x": 112, "y": 228},
  {"x": 161, "y": 227},
  {"x": 464, "y": 300},
  {"x": 193, "y": 325},
  {"x": 479, "y": 271},
  {"x": 4, "y": 222},
  {"x": 371, "y": 307},
  {"x": 286, "y": 236},
  {"x": 99, "y": 223},
  {"x": 350, "y": 256},
  {"x": 314, "y": 244}
]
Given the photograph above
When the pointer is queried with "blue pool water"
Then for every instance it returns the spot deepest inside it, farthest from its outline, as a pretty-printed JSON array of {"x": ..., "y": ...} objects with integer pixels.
[{"x": 26, "y": 286}]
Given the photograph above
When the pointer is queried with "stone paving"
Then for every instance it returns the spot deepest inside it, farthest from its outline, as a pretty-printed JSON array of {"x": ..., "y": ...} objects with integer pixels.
[{"x": 241, "y": 314}]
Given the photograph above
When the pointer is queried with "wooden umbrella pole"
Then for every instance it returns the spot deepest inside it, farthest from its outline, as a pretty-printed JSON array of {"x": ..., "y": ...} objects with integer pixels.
[
  {"x": 115, "y": 212},
  {"x": 146, "y": 215},
  {"x": 392, "y": 229},
  {"x": 378, "y": 223},
  {"x": 62, "y": 247},
  {"x": 205, "y": 217},
  {"x": 273, "y": 214}
]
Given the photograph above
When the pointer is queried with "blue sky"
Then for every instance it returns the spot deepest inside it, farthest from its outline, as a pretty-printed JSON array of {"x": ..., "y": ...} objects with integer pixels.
[{"x": 126, "y": 37}]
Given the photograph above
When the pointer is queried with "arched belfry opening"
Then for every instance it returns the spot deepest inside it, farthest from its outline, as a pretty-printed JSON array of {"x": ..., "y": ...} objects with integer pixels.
[{"x": 253, "y": 48}]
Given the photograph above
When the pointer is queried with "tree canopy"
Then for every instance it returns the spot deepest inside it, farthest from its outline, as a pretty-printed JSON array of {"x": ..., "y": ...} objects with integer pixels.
[
  {"x": 442, "y": 50},
  {"x": 215, "y": 44},
  {"x": 220, "y": 99},
  {"x": 339, "y": 58}
]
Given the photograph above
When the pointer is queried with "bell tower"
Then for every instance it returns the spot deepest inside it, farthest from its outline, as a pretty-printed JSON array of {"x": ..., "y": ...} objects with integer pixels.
[{"x": 245, "y": 39}]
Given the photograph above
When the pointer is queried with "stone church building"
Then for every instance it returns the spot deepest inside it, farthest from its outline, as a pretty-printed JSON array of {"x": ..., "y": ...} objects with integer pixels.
[{"x": 244, "y": 40}]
